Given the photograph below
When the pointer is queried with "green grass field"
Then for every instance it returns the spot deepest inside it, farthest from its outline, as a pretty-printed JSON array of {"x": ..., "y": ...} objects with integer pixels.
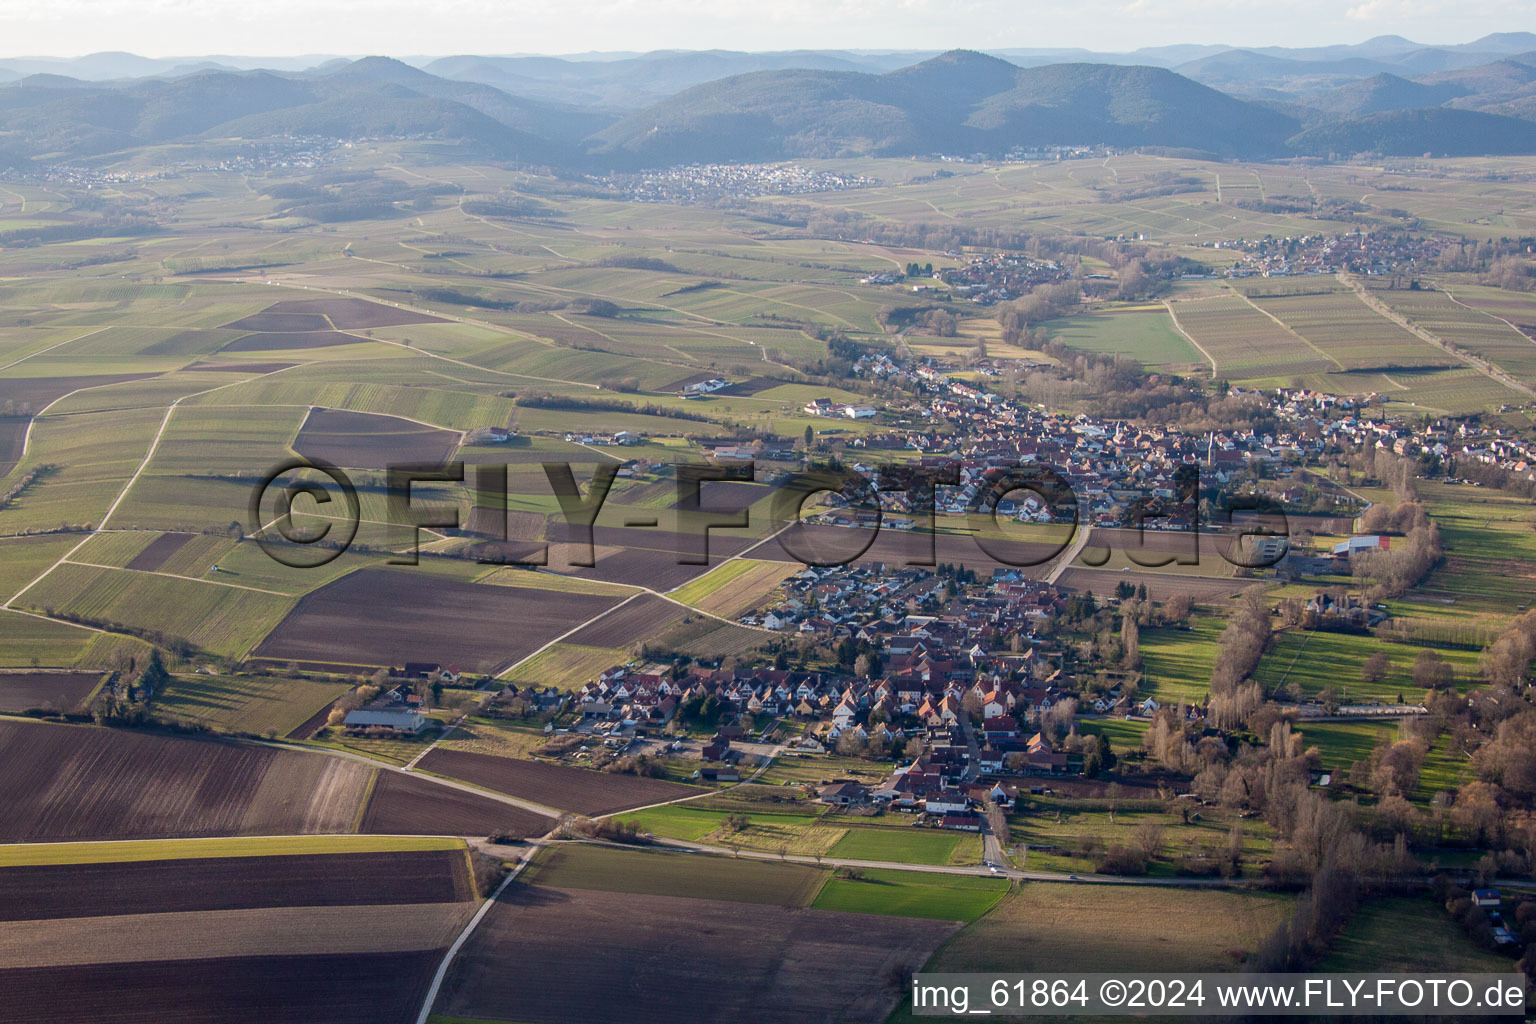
[
  {"x": 1374, "y": 941},
  {"x": 909, "y": 845},
  {"x": 1145, "y": 334},
  {"x": 663, "y": 873},
  {"x": 912, "y": 894},
  {"x": 260, "y": 705},
  {"x": 567, "y": 666},
  {"x": 1176, "y": 664},
  {"x": 1315, "y": 661}
]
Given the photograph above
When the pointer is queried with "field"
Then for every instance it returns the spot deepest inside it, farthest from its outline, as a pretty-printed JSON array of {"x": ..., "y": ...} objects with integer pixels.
[
  {"x": 567, "y": 666},
  {"x": 403, "y": 805},
  {"x": 736, "y": 587},
  {"x": 1341, "y": 744},
  {"x": 360, "y": 988},
  {"x": 363, "y": 440},
  {"x": 56, "y": 691},
  {"x": 910, "y": 894},
  {"x": 212, "y": 617},
  {"x": 912, "y": 845},
  {"x": 158, "y": 551},
  {"x": 147, "y": 383},
  {"x": 1043, "y": 927},
  {"x": 1243, "y": 343},
  {"x": 1176, "y": 663},
  {"x": 660, "y": 873},
  {"x": 666, "y": 962},
  {"x": 645, "y": 617},
  {"x": 1352, "y": 334},
  {"x": 568, "y": 789},
  {"x": 1476, "y": 326},
  {"x": 416, "y": 617},
  {"x": 1314, "y": 661},
  {"x": 1372, "y": 941},
  {"x": 1146, "y": 334},
  {"x": 73, "y": 782},
  {"x": 106, "y": 889},
  {"x": 229, "y": 931},
  {"x": 258, "y": 705}
]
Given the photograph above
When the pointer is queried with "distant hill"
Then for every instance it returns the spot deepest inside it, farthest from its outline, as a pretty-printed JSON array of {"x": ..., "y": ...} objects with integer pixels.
[
  {"x": 563, "y": 112},
  {"x": 958, "y": 102},
  {"x": 48, "y": 114},
  {"x": 1439, "y": 131},
  {"x": 1385, "y": 92},
  {"x": 635, "y": 82}
]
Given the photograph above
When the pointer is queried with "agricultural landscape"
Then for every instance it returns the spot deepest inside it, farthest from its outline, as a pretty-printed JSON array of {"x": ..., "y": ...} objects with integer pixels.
[{"x": 474, "y": 559}]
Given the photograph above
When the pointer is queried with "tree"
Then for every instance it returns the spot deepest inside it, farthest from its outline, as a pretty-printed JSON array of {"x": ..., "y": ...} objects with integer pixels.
[
  {"x": 1150, "y": 836},
  {"x": 1130, "y": 635},
  {"x": 1430, "y": 671},
  {"x": 810, "y": 437},
  {"x": 1375, "y": 668}
]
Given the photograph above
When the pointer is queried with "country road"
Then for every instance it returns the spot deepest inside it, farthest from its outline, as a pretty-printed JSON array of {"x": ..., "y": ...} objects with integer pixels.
[{"x": 951, "y": 869}]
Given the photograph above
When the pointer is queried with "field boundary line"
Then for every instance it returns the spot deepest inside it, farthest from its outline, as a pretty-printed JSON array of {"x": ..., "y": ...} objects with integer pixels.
[
  {"x": 362, "y": 805},
  {"x": 440, "y": 780},
  {"x": 50, "y": 348},
  {"x": 458, "y": 943},
  {"x": 1477, "y": 363},
  {"x": 178, "y": 576},
  {"x": 1189, "y": 337},
  {"x": 450, "y": 317},
  {"x": 1523, "y": 336},
  {"x": 1288, "y": 329},
  {"x": 101, "y": 526}
]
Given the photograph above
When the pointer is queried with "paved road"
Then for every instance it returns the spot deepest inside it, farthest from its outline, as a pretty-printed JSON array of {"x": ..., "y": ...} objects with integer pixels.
[{"x": 948, "y": 869}]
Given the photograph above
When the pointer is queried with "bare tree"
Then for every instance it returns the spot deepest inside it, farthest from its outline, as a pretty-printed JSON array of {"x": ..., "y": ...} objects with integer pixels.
[{"x": 1150, "y": 836}]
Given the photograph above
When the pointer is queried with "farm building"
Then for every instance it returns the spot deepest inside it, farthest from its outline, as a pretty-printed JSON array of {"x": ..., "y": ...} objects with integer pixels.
[
  {"x": 843, "y": 794},
  {"x": 411, "y": 722},
  {"x": 1358, "y": 545}
]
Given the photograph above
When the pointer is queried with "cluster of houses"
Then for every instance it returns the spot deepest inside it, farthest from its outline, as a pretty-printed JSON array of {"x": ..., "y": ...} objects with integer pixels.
[
  {"x": 697, "y": 183},
  {"x": 1000, "y": 277},
  {"x": 872, "y": 602},
  {"x": 842, "y": 410},
  {"x": 1374, "y": 253}
]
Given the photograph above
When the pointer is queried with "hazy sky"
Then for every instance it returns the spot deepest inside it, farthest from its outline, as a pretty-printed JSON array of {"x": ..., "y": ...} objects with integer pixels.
[{"x": 397, "y": 27}]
